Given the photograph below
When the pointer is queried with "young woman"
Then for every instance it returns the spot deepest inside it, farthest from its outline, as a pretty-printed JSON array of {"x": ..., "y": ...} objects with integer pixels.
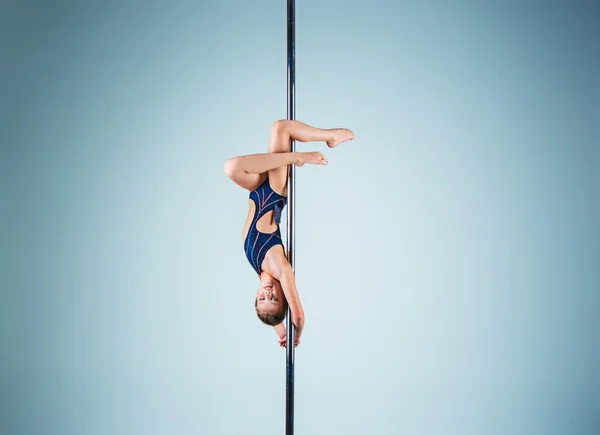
[{"x": 265, "y": 176}]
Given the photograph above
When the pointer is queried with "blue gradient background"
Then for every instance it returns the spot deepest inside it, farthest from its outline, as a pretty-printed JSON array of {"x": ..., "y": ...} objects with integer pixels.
[{"x": 447, "y": 258}]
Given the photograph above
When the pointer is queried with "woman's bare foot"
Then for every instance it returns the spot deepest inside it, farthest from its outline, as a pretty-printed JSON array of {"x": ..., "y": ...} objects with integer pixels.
[{"x": 339, "y": 135}]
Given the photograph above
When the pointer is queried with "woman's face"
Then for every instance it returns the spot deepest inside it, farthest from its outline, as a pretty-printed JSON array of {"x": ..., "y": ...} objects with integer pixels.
[{"x": 269, "y": 297}]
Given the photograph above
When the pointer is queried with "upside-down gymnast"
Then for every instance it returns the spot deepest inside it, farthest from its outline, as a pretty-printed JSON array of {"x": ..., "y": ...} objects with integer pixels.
[{"x": 265, "y": 176}]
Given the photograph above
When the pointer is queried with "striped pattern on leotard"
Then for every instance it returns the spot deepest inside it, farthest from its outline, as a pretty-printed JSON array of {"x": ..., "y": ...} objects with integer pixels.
[{"x": 257, "y": 244}]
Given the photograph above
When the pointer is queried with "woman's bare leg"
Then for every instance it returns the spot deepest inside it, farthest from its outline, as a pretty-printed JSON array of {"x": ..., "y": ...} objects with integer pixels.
[
  {"x": 285, "y": 130},
  {"x": 282, "y": 132}
]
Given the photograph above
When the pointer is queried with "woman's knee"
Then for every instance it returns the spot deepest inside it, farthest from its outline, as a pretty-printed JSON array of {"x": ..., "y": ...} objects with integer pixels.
[
  {"x": 280, "y": 137},
  {"x": 280, "y": 127}
]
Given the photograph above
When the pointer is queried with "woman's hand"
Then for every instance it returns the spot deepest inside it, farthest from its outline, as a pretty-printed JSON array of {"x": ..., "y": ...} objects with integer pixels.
[
  {"x": 283, "y": 341},
  {"x": 314, "y": 158}
]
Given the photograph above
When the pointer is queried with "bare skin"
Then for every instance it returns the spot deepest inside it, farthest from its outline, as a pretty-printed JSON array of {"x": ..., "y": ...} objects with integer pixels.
[{"x": 277, "y": 279}]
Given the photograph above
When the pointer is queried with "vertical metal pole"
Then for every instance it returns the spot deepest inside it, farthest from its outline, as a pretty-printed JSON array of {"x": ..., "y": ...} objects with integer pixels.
[{"x": 291, "y": 114}]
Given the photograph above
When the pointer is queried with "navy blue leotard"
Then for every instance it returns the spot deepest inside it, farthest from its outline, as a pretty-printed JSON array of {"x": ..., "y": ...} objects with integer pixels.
[{"x": 257, "y": 244}]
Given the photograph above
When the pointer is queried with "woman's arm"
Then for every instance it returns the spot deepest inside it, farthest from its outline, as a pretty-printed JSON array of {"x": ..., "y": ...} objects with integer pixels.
[
  {"x": 288, "y": 284},
  {"x": 276, "y": 265},
  {"x": 280, "y": 330}
]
